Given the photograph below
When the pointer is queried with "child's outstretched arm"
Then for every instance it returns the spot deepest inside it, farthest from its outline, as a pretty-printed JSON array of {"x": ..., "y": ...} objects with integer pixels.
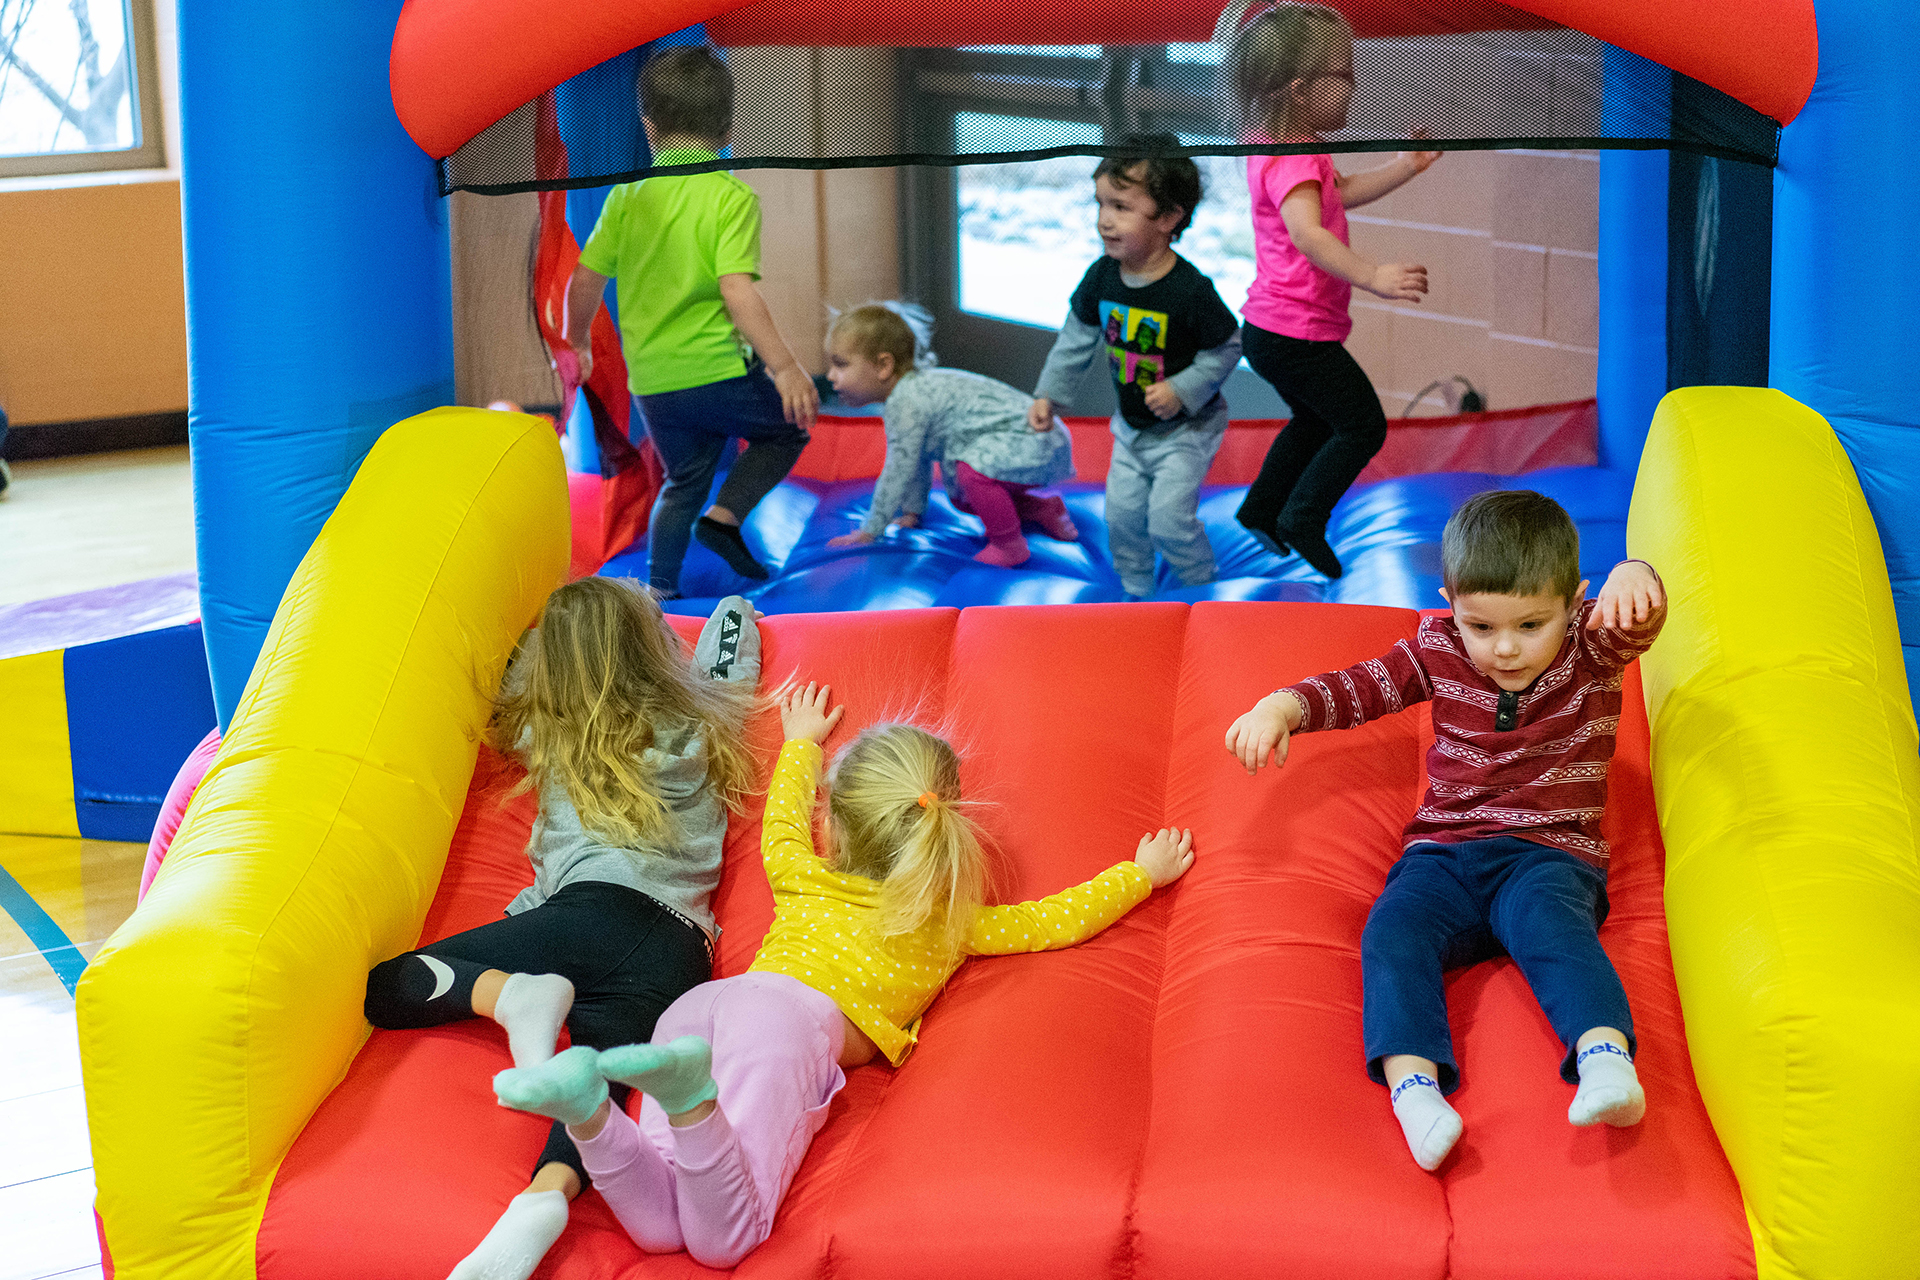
[
  {"x": 1300, "y": 210},
  {"x": 1627, "y": 614},
  {"x": 798, "y": 396},
  {"x": 1369, "y": 185},
  {"x": 1336, "y": 700},
  {"x": 905, "y": 477},
  {"x": 786, "y": 828},
  {"x": 1073, "y": 915},
  {"x": 1075, "y": 348},
  {"x": 1260, "y": 736}
]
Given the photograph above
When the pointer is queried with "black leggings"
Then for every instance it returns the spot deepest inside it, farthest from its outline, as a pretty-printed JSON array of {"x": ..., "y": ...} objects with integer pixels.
[
  {"x": 1337, "y": 427},
  {"x": 627, "y": 956}
]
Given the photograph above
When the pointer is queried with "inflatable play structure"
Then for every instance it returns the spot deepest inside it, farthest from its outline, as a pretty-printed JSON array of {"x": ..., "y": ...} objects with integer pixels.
[{"x": 1182, "y": 1096}]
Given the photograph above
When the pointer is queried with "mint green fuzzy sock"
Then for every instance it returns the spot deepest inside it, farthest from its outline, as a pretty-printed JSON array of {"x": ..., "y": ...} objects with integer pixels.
[
  {"x": 677, "y": 1075},
  {"x": 567, "y": 1087}
]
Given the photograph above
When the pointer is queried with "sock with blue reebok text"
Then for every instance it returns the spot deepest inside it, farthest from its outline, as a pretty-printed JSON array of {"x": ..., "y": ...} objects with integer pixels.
[{"x": 1430, "y": 1123}]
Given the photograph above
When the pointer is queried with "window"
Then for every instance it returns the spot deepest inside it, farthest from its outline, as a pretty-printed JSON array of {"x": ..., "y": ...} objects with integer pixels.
[
  {"x": 1026, "y": 229},
  {"x": 77, "y": 87}
]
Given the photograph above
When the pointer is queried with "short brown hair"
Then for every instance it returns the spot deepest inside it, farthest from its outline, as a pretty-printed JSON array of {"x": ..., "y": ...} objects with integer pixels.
[
  {"x": 1169, "y": 181},
  {"x": 688, "y": 91},
  {"x": 1511, "y": 542}
]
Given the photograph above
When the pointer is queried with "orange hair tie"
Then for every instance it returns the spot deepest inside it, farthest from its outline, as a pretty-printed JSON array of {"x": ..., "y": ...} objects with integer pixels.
[{"x": 927, "y": 799}]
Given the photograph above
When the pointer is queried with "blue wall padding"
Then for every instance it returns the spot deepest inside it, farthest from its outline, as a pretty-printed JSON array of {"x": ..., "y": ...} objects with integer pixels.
[
  {"x": 136, "y": 706},
  {"x": 1845, "y": 202},
  {"x": 1631, "y": 374},
  {"x": 319, "y": 299}
]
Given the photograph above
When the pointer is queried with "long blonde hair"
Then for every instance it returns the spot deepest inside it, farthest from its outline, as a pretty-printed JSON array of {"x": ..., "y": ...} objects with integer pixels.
[
  {"x": 1289, "y": 42},
  {"x": 927, "y": 857},
  {"x": 601, "y": 677}
]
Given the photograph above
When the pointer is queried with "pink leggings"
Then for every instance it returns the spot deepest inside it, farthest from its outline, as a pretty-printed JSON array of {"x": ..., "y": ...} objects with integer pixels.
[
  {"x": 713, "y": 1188},
  {"x": 1002, "y": 505}
]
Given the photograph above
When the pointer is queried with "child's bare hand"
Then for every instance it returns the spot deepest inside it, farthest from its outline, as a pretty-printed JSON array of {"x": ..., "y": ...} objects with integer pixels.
[
  {"x": 1261, "y": 735},
  {"x": 858, "y": 538},
  {"x": 1420, "y": 160},
  {"x": 799, "y": 398},
  {"x": 1630, "y": 596},
  {"x": 1040, "y": 414},
  {"x": 1165, "y": 855},
  {"x": 583, "y": 354},
  {"x": 1404, "y": 281},
  {"x": 804, "y": 714},
  {"x": 1163, "y": 401}
]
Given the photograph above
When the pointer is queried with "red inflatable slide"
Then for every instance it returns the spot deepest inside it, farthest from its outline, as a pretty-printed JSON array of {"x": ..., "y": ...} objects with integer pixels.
[{"x": 1182, "y": 1097}]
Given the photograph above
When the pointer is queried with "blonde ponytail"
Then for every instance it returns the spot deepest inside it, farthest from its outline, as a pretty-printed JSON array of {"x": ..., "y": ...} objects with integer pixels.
[{"x": 898, "y": 818}]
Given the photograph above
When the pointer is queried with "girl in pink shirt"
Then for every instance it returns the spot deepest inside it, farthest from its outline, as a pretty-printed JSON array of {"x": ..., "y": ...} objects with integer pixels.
[{"x": 1292, "y": 73}]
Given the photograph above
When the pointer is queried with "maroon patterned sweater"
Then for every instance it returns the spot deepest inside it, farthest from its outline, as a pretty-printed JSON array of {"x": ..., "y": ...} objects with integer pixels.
[{"x": 1531, "y": 764}]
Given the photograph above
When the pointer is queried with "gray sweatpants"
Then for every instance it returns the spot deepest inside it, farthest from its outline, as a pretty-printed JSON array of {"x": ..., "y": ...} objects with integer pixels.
[{"x": 1153, "y": 490}]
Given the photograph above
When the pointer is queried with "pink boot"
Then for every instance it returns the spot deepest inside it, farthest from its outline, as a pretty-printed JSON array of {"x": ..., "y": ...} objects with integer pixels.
[
  {"x": 1051, "y": 515},
  {"x": 1007, "y": 554}
]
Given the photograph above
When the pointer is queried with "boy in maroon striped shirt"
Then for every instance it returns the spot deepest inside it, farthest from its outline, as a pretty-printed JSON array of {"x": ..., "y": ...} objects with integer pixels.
[{"x": 1504, "y": 853}]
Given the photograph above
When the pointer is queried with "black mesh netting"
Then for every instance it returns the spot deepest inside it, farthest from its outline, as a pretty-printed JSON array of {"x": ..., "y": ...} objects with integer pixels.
[{"x": 817, "y": 108}]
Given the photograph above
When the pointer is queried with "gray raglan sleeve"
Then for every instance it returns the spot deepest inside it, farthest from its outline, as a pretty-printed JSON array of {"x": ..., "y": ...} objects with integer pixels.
[
  {"x": 907, "y": 475},
  {"x": 729, "y": 646},
  {"x": 1075, "y": 348},
  {"x": 1200, "y": 382}
]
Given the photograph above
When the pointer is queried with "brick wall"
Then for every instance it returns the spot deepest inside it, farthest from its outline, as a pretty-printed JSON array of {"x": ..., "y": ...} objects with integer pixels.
[{"x": 1508, "y": 239}]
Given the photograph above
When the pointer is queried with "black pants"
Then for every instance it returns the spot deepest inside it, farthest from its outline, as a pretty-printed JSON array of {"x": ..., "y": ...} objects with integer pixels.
[
  {"x": 691, "y": 430},
  {"x": 1337, "y": 427},
  {"x": 627, "y": 956}
]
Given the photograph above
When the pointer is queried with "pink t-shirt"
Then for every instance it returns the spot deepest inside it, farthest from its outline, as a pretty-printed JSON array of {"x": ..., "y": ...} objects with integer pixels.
[{"x": 1290, "y": 295}]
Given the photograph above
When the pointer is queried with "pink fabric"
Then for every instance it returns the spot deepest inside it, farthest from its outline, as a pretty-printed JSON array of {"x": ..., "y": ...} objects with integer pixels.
[
  {"x": 713, "y": 1188},
  {"x": 1002, "y": 505},
  {"x": 174, "y": 807},
  {"x": 1290, "y": 295}
]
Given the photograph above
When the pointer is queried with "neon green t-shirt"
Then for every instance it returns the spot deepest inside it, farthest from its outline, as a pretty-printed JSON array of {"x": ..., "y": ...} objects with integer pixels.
[{"x": 668, "y": 241}]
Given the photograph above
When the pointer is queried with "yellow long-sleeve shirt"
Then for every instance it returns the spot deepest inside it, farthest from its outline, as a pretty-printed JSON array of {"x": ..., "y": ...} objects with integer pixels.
[{"x": 821, "y": 923}]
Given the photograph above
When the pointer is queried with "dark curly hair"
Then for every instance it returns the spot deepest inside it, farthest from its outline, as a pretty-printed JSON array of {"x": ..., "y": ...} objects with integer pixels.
[{"x": 1170, "y": 181}]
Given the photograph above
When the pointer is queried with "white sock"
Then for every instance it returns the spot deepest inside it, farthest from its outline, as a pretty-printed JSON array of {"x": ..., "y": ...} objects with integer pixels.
[
  {"x": 1610, "y": 1091},
  {"x": 532, "y": 1222},
  {"x": 533, "y": 1007},
  {"x": 1429, "y": 1123}
]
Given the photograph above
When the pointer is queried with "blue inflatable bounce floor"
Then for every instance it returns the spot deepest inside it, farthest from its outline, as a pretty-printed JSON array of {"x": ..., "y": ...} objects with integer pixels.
[{"x": 1386, "y": 534}]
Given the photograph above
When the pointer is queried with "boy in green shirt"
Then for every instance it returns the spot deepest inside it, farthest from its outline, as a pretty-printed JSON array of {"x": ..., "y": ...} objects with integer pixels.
[{"x": 705, "y": 361}]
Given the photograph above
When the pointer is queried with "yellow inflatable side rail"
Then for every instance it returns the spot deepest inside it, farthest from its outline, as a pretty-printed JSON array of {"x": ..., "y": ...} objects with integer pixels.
[
  {"x": 1789, "y": 790},
  {"x": 224, "y": 1010}
]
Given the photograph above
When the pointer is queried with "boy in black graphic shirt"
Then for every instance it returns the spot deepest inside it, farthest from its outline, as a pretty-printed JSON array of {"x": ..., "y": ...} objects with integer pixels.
[{"x": 1170, "y": 342}]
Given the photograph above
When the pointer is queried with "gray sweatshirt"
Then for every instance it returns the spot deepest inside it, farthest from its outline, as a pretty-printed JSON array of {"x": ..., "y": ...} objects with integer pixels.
[
  {"x": 682, "y": 870},
  {"x": 951, "y": 416}
]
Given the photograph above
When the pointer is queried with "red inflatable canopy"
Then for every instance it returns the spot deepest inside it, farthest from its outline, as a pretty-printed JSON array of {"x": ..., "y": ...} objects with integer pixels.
[{"x": 460, "y": 65}]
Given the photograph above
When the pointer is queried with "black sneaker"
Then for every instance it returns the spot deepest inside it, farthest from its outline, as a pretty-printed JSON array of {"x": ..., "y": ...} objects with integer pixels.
[
  {"x": 724, "y": 540},
  {"x": 1313, "y": 549},
  {"x": 1267, "y": 538}
]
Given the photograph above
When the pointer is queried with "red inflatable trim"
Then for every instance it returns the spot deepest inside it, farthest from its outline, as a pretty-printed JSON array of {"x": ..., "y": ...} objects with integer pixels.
[
  {"x": 460, "y": 65},
  {"x": 1506, "y": 442}
]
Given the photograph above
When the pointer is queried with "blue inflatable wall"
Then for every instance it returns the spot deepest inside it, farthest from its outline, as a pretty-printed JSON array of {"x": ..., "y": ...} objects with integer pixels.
[
  {"x": 1846, "y": 201},
  {"x": 1631, "y": 371},
  {"x": 319, "y": 299}
]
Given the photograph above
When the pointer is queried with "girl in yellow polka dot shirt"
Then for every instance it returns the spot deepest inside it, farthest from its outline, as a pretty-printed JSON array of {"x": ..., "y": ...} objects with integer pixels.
[{"x": 741, "y": 1071}]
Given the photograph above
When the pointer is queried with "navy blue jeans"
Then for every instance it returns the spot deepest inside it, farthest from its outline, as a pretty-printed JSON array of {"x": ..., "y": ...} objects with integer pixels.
[
  {"x": 1450, "y": 905},
  {"x": 690, "y": 431}
]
